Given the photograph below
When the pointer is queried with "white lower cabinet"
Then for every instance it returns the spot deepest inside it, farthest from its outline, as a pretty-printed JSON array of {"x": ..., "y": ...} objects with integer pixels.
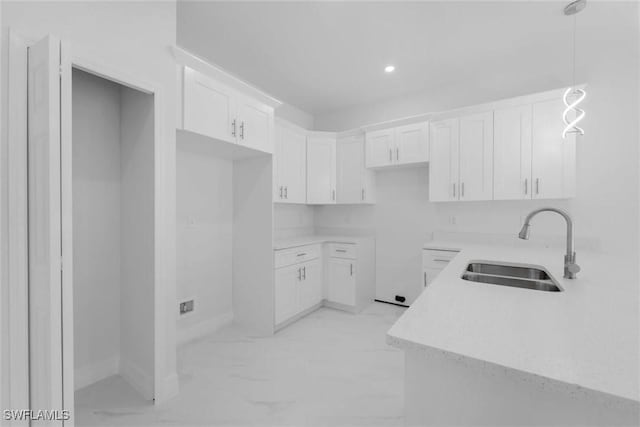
[
  {"x": 341, "y": 286},
  {"x": 303, "y": 280},
  {"x": 433, "y": 262}
]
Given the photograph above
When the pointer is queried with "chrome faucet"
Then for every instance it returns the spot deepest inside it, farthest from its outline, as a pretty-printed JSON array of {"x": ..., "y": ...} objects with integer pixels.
[{"x": 570, "y": 266}]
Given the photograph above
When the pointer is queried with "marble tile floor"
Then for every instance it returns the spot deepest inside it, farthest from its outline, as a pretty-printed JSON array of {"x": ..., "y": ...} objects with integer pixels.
[{"x": 328, "y": 369}]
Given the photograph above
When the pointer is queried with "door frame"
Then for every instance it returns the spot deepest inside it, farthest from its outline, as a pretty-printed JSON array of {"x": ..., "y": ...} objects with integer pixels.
[{"x": 165, "y": 377}]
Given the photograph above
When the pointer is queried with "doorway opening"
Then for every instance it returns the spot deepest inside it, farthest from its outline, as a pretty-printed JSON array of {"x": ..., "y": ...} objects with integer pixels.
[{"x": 113, "y": 235}]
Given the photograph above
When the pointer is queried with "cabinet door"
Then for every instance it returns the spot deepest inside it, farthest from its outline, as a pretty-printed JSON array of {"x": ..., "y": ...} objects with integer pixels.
[
  {"x": 512, "y": 153},
  {"x": 321, "y": 170},
  {"x": 286, "y": 292},
  {"x": 255, "y": 125},
  {"x": 291, "y": 165},
  {"x": 310, "y": 287},
  {"x": 553, "y": 158},
  {"x": 428, "y": 275},
  {"x": 209, "y": 107},
  {"x": 341, "y": 286},
  {"x": 476, "y": 156},
  {"x": 412, "y": 143},
  {"x": 379, "y": 148},
  {"x": 350, "y": 170},
  {"x": 443, "y": 166}
]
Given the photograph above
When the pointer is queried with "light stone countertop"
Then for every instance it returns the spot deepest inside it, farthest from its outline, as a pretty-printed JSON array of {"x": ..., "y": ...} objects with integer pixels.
[
  {"x": 292, "y": 242},
  {"x": 585, "y": 337}
]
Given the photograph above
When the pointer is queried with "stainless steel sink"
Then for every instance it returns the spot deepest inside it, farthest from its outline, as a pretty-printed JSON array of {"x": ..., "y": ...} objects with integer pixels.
[{"x": 526, "y": 277}]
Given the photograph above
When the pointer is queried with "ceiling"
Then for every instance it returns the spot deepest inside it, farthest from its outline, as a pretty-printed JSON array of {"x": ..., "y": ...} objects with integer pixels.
[{"x": 326, "y": 56}]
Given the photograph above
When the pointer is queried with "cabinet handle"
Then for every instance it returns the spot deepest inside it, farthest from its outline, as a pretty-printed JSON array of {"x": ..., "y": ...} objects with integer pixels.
[
  {"x": 241, "y": 130},
  {"x": 441, "y": 260},
  {"x": 304, "y": 273},
  {"x": 233, "y": 127},
  {"x": 302, "y": 254},
  {"x": 299, "y": 274},
  {"x": 537, "y": 185},
  {"x": 351, "y": 267},
  {"x": 425, "y": 279},
  {"x": 286, "y": 192},
  {"x": 363, "y": 194},
  {"x": 390, "y": 154},
  {"x": 333, "y": 195},
  {"x": 462, "y": 190},
  {"x": 281, "y": 187},
  {"x": 341, "y": 250},
  {"x": 397, "y": 154},
  {"x": 526, "y": 186},
  {"x": 454, "y": 190}
]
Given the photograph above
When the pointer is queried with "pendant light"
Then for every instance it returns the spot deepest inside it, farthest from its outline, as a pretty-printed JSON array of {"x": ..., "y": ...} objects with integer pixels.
[{"x": 573, "y": 96}]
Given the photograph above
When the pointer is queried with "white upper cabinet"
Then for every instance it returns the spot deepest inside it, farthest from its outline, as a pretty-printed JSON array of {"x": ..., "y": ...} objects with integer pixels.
[
  {"x": 290, "y": 165},
  {"x": 321, "y": 170},
  {"x": 553, "y": 162},
  {"x": 215, "y": 110},
  {"x": 412, "y": 143},
  {"x": 512, "y": 153},
  {"x": 355, "y": 183},
  {"x": 209, "y": 107},
  {"x": 255, "y": 124},
  {"x": 476, "y": 156},
  {"x": 379, "y": 148},
  {"x": 400, "y": 145},
  {"x": 443, "y": 167}
]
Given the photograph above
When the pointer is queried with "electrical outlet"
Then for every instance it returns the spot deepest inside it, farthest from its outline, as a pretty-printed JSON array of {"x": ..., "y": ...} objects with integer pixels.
[{"x": 186, "y": 307}]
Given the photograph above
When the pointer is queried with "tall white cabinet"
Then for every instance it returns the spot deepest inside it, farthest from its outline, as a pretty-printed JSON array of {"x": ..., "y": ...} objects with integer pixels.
[
  {"x": 290, "y": 165},
  {"x": 355, "y": 183},
  {"x": 443, "y": 167},
  {"x": 321, "y": 169}
]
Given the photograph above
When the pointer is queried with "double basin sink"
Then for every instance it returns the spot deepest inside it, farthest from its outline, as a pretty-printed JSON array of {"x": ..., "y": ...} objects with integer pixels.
[{"x": 526, "y": 277}]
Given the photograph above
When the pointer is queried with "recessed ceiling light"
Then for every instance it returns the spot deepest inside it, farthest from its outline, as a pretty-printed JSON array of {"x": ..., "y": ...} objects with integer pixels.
[{"x": 389, "y": 69}]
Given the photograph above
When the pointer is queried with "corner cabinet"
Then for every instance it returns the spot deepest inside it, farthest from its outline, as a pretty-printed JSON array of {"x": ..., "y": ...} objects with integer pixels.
[
  {"x": 355, "y": 183},
  {"x": 321, "y": 169},
  {"x": 215, "y": 110},
  {"x": 401, "y": 145},
  {"x": 290, "y": 165}
]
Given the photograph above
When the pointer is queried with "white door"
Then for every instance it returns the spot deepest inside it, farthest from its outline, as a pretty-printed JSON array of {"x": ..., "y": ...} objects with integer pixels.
[
  {"x": 350, "y": 170},
  {"x": 209, "y": 107},
  {"x": 553, "y": 158},
  {"x": 412, "y": 143},
  {"x": 341, "y": 283},
  {"x": 379, "y": 148},
  {"x": 310, "y": 287},
  {"x": 476, "y": 156},
  {"x": 49, "y": 158},
  {"x": 512, "y": 153},
  {"x": 286, "y": 292},
  {"x": 321, "y": 170},
  {"x": 255, "y": 124},
  {"x": 443, "y": 165},
  {"x": 295, "y": 158}
]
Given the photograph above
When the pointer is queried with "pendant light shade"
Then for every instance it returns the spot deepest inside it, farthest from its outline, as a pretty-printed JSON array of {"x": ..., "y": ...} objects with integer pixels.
[{"x": 573, "y": 114}]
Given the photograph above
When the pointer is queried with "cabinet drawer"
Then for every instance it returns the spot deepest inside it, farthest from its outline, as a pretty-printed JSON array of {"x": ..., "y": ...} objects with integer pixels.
[
  {"x": 436, "y": 259},
  {"x": 343, "y": 250},
  {"x": 290, "y": 256}
]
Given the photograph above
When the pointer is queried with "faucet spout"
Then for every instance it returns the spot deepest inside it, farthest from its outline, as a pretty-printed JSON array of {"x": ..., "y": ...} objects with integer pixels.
[{"x": 570, "y": 266}]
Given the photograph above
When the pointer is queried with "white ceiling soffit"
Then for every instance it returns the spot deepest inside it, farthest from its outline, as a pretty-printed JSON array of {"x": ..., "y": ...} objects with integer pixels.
[{"x": 327, "y": 56}]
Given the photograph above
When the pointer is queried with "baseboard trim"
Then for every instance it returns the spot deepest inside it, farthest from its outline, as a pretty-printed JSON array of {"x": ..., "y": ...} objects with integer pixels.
[
  {"x": 94, "y": 372},
  {"x": 392, "y": 303},
  {"x": 203, "y": 328},
  {"x": 137, "y": 378}
]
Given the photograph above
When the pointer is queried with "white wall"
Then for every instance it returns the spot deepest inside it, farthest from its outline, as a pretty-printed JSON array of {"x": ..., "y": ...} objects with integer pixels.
[
  {"x": 96, "y": 227},
  {"x": 204, "y": 235},
  {"x": 132, "y": 38},
  {"x": 606, "y": 208},
  {"x": 292, "y": 220},
  {"x": 137, "y": 249},
  {"x": 295, "y": 115}
]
